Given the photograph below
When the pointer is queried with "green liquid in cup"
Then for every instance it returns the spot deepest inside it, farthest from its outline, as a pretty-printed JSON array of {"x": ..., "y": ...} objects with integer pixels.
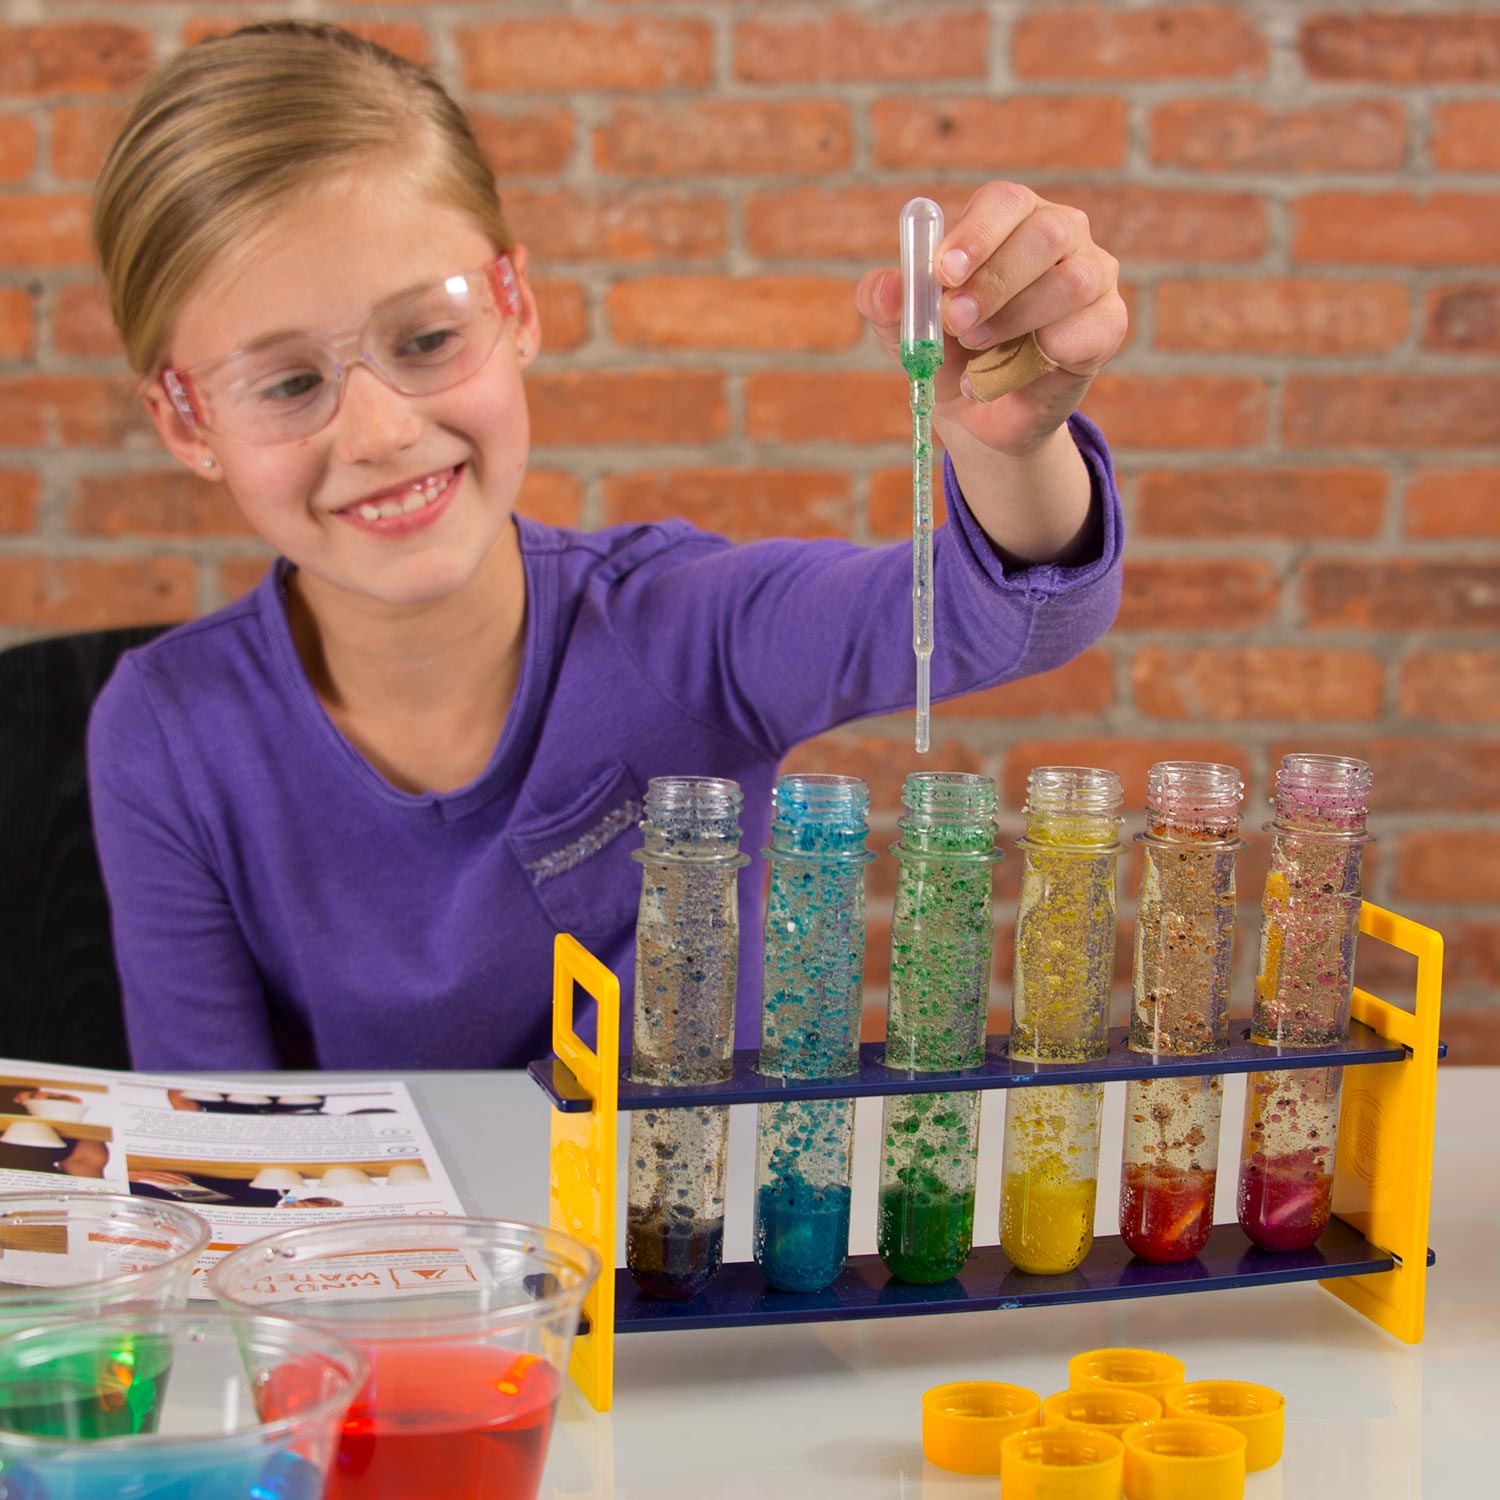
[{"x": 115, "y": 1390}]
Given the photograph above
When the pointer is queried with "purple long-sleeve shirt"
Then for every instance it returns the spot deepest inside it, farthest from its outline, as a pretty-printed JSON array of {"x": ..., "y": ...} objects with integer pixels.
[{"x": 277, "y": 903}]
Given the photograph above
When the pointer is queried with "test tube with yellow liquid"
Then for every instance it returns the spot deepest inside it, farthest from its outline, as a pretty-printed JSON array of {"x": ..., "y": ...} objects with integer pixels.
[{"x": 1065, "y": 950}]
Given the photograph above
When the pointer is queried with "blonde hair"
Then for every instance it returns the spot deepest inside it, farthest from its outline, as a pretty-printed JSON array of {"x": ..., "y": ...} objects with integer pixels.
[{"x": 235, "y": 128}]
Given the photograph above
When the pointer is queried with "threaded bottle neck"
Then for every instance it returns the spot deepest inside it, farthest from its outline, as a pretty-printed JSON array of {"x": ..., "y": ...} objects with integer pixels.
[
  {"x": 948, "y": 812},
  {"x": 819, "y": 815},
  {"x": 1073, "y": 805},
  {"x": 692, "y": 817},
  {"x": 1322, "y": 794},
  {"x": 1193, "y": 800}
]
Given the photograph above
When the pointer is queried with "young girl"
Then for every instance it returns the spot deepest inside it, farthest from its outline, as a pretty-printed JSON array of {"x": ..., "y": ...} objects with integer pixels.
[{"x": 341, "y": 820}]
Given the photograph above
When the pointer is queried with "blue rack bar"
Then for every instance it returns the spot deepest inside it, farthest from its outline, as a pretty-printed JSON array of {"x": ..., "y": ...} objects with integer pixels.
[
  {"x": 998, "y": 1071},
  {"x": 739, "y": 1295}
]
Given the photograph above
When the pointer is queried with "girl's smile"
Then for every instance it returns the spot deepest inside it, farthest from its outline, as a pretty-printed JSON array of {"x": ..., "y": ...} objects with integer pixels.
[{"x": 403, "y": 509}]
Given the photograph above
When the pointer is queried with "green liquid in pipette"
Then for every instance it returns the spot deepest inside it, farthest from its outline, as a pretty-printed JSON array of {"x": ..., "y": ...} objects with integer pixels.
[{"x": 921, "y": 361}]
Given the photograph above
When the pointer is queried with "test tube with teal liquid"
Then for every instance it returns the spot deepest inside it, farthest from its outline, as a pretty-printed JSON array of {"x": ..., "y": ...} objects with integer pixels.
[
  {"x": 810, "y": 1015},
  {"x": 942, "y": 938},
  {"x": 686, "y": 967}
]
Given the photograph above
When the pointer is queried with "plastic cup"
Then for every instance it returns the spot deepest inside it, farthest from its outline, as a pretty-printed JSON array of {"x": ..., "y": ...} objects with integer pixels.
[
  {"x": 1061, "y": 1463},
  {"x": 1105, "y": 1408},
  {"x": 87, "y": 1254},
  {"x": 1179, "y": 1458},
  {"x": 172, "y": 1406},
  {"x": 1147, "y": 1370},
  {"x": 1254, "y": 1410},
  {"x": 467, "y": 1325}
]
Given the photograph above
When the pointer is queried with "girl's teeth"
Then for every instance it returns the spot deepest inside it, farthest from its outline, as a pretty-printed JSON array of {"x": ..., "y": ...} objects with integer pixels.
[
  {"x": 369, "y": 512},
  {"x": 389, "y": 508},
  {"x": 421, "y": 494},
  {"x": 415, "y": 502}
]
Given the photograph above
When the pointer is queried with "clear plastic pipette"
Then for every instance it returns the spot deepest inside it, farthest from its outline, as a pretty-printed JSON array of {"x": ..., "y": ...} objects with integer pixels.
[{"x": 921, "y": 355}]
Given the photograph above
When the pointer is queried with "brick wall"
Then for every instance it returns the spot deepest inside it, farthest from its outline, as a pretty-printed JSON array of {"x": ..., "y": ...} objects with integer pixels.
[{"x": 1306, "y": 202}]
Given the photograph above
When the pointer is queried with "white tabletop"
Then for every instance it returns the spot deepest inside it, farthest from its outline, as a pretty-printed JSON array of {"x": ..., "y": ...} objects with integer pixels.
[{"x": 832, "y": 1410}]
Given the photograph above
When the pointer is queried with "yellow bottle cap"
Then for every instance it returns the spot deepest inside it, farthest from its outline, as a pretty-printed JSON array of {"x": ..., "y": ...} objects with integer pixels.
[
  {"x": 1106, "y": 1408},
  {"x": 1062, "y": 1463},
  {"x": 1255, "y": 1410},
  {"x": 1147, "y": 1370},
  {"x": 963, "y": 1423},
  {"x": 1178, "y": 1458}
]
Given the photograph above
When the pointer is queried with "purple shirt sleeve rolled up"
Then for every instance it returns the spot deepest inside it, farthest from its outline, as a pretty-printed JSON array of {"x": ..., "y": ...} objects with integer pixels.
[{"x": 277, "y": 903}]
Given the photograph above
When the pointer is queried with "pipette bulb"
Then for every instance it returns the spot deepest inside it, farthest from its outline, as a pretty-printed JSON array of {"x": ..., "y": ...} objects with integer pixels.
[{"x": 921, "y": 312}]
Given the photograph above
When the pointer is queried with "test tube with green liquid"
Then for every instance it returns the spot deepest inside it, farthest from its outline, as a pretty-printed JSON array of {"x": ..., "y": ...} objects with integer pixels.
[
  {"x": 942, "y": 938},
  {"x": 686, "y": 967},
  {"x": 813, "y": 981},
  {"x": 1065, "y": 950},
  {"x": 921, "y": 357}
]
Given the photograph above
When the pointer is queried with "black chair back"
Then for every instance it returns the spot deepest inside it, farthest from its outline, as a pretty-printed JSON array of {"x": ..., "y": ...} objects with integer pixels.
[{"x": 59, "y": 992}]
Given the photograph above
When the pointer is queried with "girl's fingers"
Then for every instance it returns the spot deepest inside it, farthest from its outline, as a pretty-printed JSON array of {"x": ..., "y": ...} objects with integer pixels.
[
  {"x": 1075, "y": 282},
  {"x": 1049, "y": 234},
  {"x": 989, "y": 218}
]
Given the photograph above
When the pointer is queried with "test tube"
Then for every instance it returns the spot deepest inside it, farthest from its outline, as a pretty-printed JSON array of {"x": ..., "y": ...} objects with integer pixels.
[
  {"x": 1309, "y": 926},
  {"x": 686, "y": 965},
  {"x": 1064, "y": 965},
  {"x": 942, "y": 937},
  {"x": 921, "y": 357},
  {"x": 810, "y": 1013},
  {"x": 1184, "y": 950}
]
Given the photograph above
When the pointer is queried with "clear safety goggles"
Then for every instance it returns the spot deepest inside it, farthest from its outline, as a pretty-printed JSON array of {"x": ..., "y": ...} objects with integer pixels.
[{"x": 288, "y": 387}]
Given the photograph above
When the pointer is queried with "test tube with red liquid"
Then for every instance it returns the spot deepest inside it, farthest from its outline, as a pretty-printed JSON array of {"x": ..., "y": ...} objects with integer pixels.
[
  {"x": 1184, "y": 950},
  {"x": 1309, "y": 926}
]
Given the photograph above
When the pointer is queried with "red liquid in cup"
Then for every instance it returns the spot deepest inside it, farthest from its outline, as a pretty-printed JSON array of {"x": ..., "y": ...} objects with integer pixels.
[
  {"x": 1166, "y": 1214},
  {"x": 1284, "y": 1204},
  {"x": 446, "y": 1422}
]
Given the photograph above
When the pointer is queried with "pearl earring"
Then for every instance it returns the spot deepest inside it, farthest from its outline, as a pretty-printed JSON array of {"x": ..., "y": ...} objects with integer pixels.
[
  {"x": 525, "y": 350},
  {"x": 208, "y": 463}
]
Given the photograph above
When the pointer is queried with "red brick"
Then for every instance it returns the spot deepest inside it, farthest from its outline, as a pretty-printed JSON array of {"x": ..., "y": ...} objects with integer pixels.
[
  {"x": 57, "y": 594},
  {"x": 161, "y": 502},
  {"x": 81, "y": 324},
  {"x": 1084, "y": 686},
  {"x": 1425, "y": 595},
  {"x": 796, "y": 406},
  {"x": 888, "y": 506},
  {"x": 1261, "y": 503},
  {"x": 1453, "y": 503},
  {"x": 1097, "y": 41},
  {"x": 635, "y": 225},
  {"x": 19, "y": 492},
  {"x": 1463, "y": 319},
  {"x": 740, "y": 503},
  {"x": 1449, "y": 866},
  {"x": 1451, "y": 687},
  {"x": 585, "y": 408},
  {"x": 81, "y": 137},
  {"x": 843, "y": 46},
  {"x": 1130, "y": 758},
  {"x": 551, "y": 496},
  {"x": 568, "y": 55},
  {"x": 1046, "y": 132},
  {"x": 17, "y": 323},
  {"x": 1402, "y": 229},
  {"x": 527, "y": 140},
  {"x": 17, "y": 148},
  {"x": 1391, "y": 48},
  {"x": 1241, "y": 135},
  {"x": 1222, "y": 684},
  {"x": 563, "y": 309},
  {"x": 238, "y": 575},
  {"x": 732, "y": 136},
  {"x": 45, "y": 229},
  {"x": 1466, "y": 135},
  {"x": 74, "y": 57},
  {"x": 880, "y": 760},
  {"x": 726, "y": 312},
  {"x": 1200, "y": 595},
  {"x": 1391, "y": 411},
  {"x": 1179, "y": 411},
  {"x": 1273, "y": 315},
  {"x": 52, "y": 410}
]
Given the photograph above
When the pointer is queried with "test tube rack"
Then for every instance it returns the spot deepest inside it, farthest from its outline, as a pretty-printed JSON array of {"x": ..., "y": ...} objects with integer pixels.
[{"x": 1373, "y": 1255}]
